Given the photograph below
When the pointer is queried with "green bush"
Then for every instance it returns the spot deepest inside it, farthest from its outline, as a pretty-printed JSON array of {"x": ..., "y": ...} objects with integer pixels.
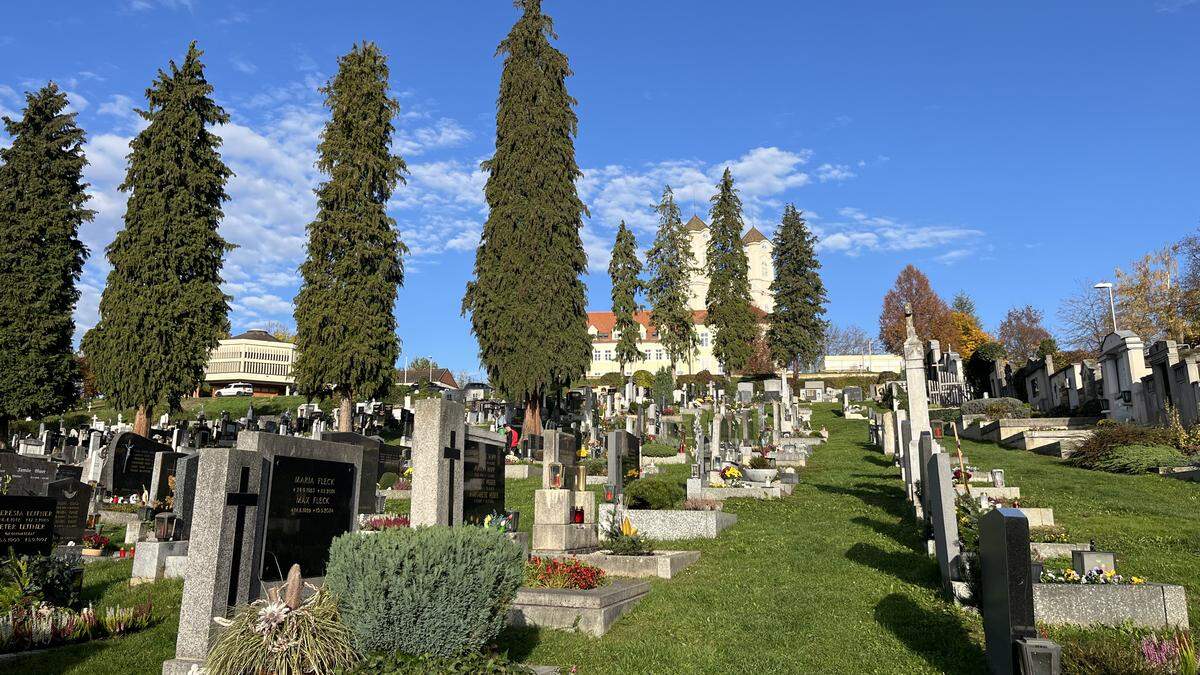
[
  {"x": 387, "y": 480},
  {"x": 1049, "y": 534},
  {"x": 468, "y": 664},
  {"x": 1139, "y": 459},
  {"x": 657, "y": 449},
  {"x": 37, "y": 577},
  {"x": 655, "y": 493},
  {"x": 997, "y": 408},
  {"x": 596, "y": 467},
  {"x": 431, "y": 590},
  {"x": 950, "y": 415},
  {"x": 1097, "y": 650}
]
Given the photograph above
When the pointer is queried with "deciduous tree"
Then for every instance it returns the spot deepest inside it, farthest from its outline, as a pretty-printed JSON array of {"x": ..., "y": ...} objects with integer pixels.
[
  {"x": 1150, "y": 298},
  {"x": 1021, "y": 333},
  {"x": 527, "y": 300},
  {"x": 931, "y": 316},
  {"x": 162, "y": 310},
  {"x": 1084, "y": 318}
]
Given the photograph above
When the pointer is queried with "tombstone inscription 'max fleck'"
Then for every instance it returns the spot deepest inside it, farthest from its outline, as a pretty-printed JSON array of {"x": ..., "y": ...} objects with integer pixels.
[{"x": 306, "y": 509}]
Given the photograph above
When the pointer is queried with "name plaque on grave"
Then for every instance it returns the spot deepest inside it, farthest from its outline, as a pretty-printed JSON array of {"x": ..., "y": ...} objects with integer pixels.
[
  {"x": 133, "y": 463},
  {"x": 26, "y": 524},
  {"x": 309, "y": 503},
  {"x": 483, "y": 481},
  {"x": 70, "y": 515}
]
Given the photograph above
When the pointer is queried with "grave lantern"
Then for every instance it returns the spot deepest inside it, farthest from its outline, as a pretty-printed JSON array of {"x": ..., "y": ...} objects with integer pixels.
[
  {"x": 556, "y": 475},
  {"x": 610, "y": 493},
  {"x": 580, "y": 476},
  {"x": 164, "y": 526},
  {"x": 577, "y": 515}
]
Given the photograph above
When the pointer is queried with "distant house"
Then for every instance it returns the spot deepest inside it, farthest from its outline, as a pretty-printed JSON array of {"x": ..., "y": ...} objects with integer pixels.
[
  {"x": 476, "y": 391},
  {"x": 441, "y": 378},
  {"x": 256, "y": 358}
]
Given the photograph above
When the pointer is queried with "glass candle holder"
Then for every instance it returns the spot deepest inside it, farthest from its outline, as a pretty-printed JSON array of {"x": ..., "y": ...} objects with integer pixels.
[{"x": 577, "y": 515}]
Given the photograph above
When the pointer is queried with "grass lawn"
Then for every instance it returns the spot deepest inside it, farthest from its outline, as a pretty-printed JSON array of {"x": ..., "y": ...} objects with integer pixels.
[{"x": 833, "y": 579}]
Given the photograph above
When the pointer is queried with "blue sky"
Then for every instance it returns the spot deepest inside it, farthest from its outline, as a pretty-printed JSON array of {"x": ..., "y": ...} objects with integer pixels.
[{"x": 1009, "y": 150}]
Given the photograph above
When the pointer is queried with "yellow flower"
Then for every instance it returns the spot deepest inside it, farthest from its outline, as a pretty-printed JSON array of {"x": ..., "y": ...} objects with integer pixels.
[
  {"x": 627, "y": 528},
  {"x": 583, "y": 453},
  {"x": 408, "y": 472},
  {"x": 1136, "y": 580}
]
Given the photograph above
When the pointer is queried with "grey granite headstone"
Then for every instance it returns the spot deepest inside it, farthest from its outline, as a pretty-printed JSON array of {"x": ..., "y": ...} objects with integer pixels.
[
  {"x": 70, "y": 515},
  {"x": 437, "y": 458},
  {"x": 624, "y": 454},
  {"x": 1007, "y": 586},
  {"x": 165, "y": 466},
  {"x": 943, "y": 516},
  {"x": 186, "y": 468}
]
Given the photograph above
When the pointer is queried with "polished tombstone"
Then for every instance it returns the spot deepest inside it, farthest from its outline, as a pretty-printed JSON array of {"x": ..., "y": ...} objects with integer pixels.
[
  {"x": 306, "y": 510},
  {"x": 624, "y": 459},
  {"x": 185, "y": 493},
  {"x": 483, "y": 476},
  {"x": 27, "y": 524},
  {"x": 71, "y": 509},
  {"x": 1007, "y": 586},
  {"x": 25, "y": 476},
  {"x": 369, "y": 478},
  {"x": 943, "y": 516},
  {"x": 133, "y": 462},
  {"x": 166, "y": 465}
]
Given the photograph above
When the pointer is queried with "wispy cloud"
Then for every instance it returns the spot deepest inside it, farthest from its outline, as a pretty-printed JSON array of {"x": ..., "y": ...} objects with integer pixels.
[
  {"x": 856, "y": 232},
  {"x": 1172, "y": 6},
  {"x": 243, "y": 66}
]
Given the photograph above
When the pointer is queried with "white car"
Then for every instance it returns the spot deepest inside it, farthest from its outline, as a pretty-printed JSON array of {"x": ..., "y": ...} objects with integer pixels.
[{"x": 235, "y": 389}]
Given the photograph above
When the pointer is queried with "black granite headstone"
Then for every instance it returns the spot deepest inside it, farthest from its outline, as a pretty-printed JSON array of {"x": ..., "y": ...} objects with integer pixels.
[
  {"x": 63, "y": 471},
  {"x": 25, "y": 475},
  {"x": 26, "y": 524},
  {"x": 624, "y": 459},
  {"x": 186, "y": 470},
  {"x": 308, "y": 505},
  {"x": 369, "y": 478},
  {"x": 71, "y": 512},
  {"x": 1007, "y": 585},
  {"x": 133, "y": 462},
  {"x": 483, "y": 480}
]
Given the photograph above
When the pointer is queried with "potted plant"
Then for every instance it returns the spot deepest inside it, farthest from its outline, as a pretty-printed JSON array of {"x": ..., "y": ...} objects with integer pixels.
[
  {"x": 94, "y": 544},
  {"x": 760, "y": 470}
]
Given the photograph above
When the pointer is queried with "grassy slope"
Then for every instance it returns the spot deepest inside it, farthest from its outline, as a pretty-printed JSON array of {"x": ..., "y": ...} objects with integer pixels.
[
  {"x": 831, "y": 580},
  {"x": 1151, "y": 523}
]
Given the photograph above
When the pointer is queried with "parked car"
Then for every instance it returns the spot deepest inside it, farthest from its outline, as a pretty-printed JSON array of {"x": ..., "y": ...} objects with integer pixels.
[{"x": 235, "y": 389}]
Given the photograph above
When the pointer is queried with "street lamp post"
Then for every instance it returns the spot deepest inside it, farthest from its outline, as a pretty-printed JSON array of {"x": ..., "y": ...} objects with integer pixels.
[{"x": 1112, "y": 305}]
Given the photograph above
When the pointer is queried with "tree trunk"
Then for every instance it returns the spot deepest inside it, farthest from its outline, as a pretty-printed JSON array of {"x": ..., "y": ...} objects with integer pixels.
[
  {"x": 141, "y": 421},
  {"x": 532, "y": 426},
  {"x": 346, "y": 413}
]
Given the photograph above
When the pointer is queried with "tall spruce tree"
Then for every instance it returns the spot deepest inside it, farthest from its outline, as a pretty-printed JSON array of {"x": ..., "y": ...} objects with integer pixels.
[
  {"x": 42, "y": 205},
  {"x": 624, "y": 270},
  {"x": 797, "y": 328},
  {"x": 527, "y": 300},
  {"x": 162, "y": 310},
  {"x": 669, "y": 263},
  {"x": 345, "y": 321},
  {"x": 728, "y": 300}
]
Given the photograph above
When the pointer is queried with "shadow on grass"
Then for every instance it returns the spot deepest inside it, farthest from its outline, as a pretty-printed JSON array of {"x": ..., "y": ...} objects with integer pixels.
[
  {"x": 518, "y": 641},
  {"x": 879, "y": 460},
  {"x": 937, "y": 637},
  {"x": 906, "y": 532},
  {"x": 890, "y": 498},
  {"x": 908, "y": 566}
]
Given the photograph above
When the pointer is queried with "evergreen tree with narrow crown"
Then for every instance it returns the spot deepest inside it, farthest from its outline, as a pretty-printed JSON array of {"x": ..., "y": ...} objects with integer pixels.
[
  {"x": 728, "y": 300},
  {"x": 162, "y": 310},
  {"x": 797, "y": 328},
  {"x": 669, "y": 263},
  {"x": 624, "y": 270},
  {"x": 527, "y": 300},
  {"x": 42, "y": 206},
  {"x": 345, "y": 320}
]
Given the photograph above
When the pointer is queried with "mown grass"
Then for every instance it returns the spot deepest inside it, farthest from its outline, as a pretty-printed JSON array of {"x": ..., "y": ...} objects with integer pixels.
[{"x": 833, "y": 579}]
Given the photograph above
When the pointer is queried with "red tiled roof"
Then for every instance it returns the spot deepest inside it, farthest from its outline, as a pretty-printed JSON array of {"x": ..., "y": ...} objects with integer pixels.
[{"x": 604, "y": 322}]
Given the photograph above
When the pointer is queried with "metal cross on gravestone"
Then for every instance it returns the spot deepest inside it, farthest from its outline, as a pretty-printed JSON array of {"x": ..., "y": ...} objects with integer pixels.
[
  {"x": 453, "y": 454},
  {"x": 242, "y": 499}
]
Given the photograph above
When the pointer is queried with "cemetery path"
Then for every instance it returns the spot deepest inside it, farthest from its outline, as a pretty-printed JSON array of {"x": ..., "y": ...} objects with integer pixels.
[{"x": 833, "y": 579}]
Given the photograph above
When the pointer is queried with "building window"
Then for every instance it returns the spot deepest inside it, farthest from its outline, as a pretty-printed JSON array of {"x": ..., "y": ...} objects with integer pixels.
[
  {"x": 602, "y": 336},
  {"x": 608, "y": 355},
  {"x": 658, "y": 355},
  {"x": 703, "y": 338},
  {"x": 596, "y": 355}
]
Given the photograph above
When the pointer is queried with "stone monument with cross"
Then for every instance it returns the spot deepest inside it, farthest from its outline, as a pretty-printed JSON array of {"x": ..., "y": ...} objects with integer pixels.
[
  {"x": 564, "y": 514},
  {"x": 260, "y": 507},
  {"x": 918, "y": 409},
  {"x": 437, "y": 483}
]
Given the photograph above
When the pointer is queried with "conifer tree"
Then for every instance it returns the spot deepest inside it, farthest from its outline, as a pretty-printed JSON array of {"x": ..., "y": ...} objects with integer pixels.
[
  {"x": 669, "y": 263},
  {"x": 728, "y": 301},
  {"x": 42, "y": 205},
  {"x": 624, "y": 270},
  {"x": 797, "y": 328},
  {"x": 345, "y": 321},
  {"x": 162, "y": 310},
  {"x": 527, "y": 300}
]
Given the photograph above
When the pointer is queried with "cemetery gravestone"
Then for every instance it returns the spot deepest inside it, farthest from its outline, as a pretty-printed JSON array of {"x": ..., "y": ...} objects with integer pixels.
[
  {"x": 71, "y": 509},
  {"x": 185, "y": 492},
  {"x": 438, "y": 438},
  {"x": 369, "y": 477},
  {"x": 133, "y": 462},
  {"x": 624, "y": 459},
  {"x": 559, "y": 448},
  {"x": 25, "y": 475},
  {"x": 63, "y": 471},
  {"x": 27, "y": 524},
  {"x": 944, "y": 516},
  {"x": 483, "y": 476},
  {"x": 307, "y": 507},
  {"x": 165, "y": 467},
  {"x": 1007, "y": 589}
]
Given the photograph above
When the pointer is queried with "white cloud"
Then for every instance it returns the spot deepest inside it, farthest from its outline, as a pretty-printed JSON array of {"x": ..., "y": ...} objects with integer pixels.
[
  {"x": 857, "y": 232},
  {"x": 445, "y": 133},
  {"x": 144, "y": 5},
  {"x": 243, "y": 66},
  {"x": 834, "y": 172}
]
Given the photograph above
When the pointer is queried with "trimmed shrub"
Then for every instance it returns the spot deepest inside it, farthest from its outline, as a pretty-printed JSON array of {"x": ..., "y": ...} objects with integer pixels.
[
  {"x": 997, "y": 408},
  {"x": 657, "y": 449},
  {"x": 596, "y": 467},
  {"x": 656, "y": 493},
  {"x": 387, "y": 480},
  {"x": 433, "y": 590},
  {"x": 467, "y": 664}
]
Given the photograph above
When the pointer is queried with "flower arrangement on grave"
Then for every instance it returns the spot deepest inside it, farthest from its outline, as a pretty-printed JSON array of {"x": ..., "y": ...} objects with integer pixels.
[
  {"x": 1049, "y": 534},
  {"x": 571, "y": 574},
  {"x": 408, "y": 473},
  {"x": 283, "y": 634},
  {"x": 624, "y": 539},
  {"x": 633, "y": 474},
  {"x": 732, "y": 476},
  {"x": 385, "y": 522},
  {"x": 961, "y": 476},
  {"x": 760, "y": 462},
  {"x": 1094, "y": 576},
  {"x": 504, "y": 522},
  {"x": 94, "y": 543},
  {"x": 583, "y": 452},
  {"x": 1170, "y": 653},
  {"x": 36, "y": 624}
]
